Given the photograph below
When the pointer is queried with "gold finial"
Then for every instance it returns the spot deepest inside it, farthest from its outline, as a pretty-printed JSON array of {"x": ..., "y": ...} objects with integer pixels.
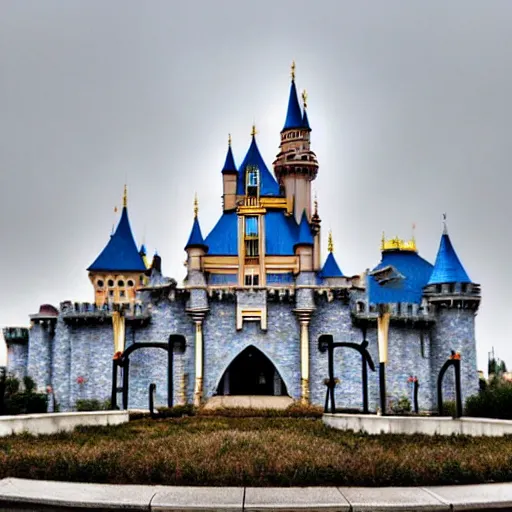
[
  {"x": 330, "y": 244},
  {"x": 293, "y": 70},
  {"x": 196, "y": 206},
  {"x": 229, "y": 139},
  {"x": 414, "y": 232},
  {"x": 315, "y": 202},
  {"x": 305, "y": 98},
  {"x": 125, "y": 197},
  {"x": 445, "y": 228},
  {"x": 253, "y": 131}
]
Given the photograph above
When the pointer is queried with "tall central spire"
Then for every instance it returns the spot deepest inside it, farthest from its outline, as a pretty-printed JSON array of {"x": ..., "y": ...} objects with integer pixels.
[{"x": 294, "y": 114}]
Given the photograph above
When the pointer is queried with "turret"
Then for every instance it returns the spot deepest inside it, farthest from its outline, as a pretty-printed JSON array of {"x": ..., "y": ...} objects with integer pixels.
[
  {"x": 304, "y": 245},
  {"x": 455, "y": 299},
  {"x": 296, "y": 165},
  {"x": 229, "y": 178},
  {"x": 119, "y": 269},
  {"x": 196, "y": 248},
  {"x": 330, "y": 272}
]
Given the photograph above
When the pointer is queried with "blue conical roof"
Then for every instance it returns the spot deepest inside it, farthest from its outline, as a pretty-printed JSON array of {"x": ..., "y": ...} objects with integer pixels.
[
  {"x": 229, "y": 164},
  {"x": 448, "y": 268},
  {"x": 120, "y": 254},
  {"x": 142, "y": 250},
  {"x": 331, "y": 268},
  {"x": 305, "y": 120},
  {"x": 268, "y": 185},
  {"x": 305, "y": 237},
  {"x": 196, "y": 238},
  {"x": 294, "y": 114}
]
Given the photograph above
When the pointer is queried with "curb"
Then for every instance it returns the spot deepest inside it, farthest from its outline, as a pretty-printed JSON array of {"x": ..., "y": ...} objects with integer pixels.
[{"x": 45, "y": 495}]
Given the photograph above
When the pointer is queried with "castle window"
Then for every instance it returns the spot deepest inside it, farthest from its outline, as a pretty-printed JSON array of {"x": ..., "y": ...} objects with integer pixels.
[
  {"x": 252, "y": 181},
  {"x": 122, "y": 293},
  {"x": 130, "y": 283},
  {"x": 252, "y": 279},
  {"x": 141, "y": 279},
  {"x": 100, "y": 283},
  {"x": 111, "y": 293},
  {"x": 111, "y": 282},
  {"x": 120, "y": 283},
  {"x": 251, "y": 237}
]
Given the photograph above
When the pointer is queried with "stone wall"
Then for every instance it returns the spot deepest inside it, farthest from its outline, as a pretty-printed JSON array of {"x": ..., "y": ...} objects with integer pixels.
[{"x": 17, "y": 357}]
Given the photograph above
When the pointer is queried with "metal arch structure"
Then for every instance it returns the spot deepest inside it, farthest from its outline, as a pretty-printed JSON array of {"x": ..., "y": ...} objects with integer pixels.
[
  {"x": 326, "y": 344},
  {"x": 455, "y": 362},
  {"x": 176, "y": 341}
]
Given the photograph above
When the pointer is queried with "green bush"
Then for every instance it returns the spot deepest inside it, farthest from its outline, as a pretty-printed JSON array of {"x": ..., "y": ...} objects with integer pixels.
[
  {"x": 92, "y": 404},
  {"x": 401, "y": 405},
  {"x": 493, "y": 402},
  {"x": 27, "y": 401},
  {"x": 450, "y": 408}
]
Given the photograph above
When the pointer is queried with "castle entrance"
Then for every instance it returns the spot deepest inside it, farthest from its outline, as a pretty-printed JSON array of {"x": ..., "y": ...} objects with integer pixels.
[{"x": 251, "y": 373}]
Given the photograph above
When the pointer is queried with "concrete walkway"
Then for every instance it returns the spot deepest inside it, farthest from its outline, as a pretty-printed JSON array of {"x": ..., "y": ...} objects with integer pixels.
[{"x": 18, "y": 494}]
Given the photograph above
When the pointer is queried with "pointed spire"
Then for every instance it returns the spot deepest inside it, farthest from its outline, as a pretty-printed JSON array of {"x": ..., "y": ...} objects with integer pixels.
[
  {"x": 196, "y": 237},
  {"x": 294, "y": 114},
  {"x": 331, "y": 268},
  {"x": 330, "y": 245},
  {"x": 305, "y": 237},
  {"x": 447, "y": 268},
  {"x": 120, "y": 253},
  {"x": 305, "y": 120},
  {"x": 229, "y": 164}
]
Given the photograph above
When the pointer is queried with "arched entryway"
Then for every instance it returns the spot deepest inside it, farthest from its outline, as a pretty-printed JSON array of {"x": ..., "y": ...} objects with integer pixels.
[{"x": 252, "y": 373}]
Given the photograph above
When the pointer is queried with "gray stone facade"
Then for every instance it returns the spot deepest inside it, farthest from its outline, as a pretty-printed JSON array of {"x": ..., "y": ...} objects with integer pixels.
[{"x": 74, "y": 353}]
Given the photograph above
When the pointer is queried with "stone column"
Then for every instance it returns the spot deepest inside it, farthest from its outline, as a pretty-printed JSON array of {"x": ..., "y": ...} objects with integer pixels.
[
  {"x": 198, "y": 317},
  {"x": 304, "y": 319}
]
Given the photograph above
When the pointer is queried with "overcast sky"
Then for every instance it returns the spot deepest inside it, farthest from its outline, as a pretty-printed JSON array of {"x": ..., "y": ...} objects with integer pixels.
[{"x": 409, "y": 102}]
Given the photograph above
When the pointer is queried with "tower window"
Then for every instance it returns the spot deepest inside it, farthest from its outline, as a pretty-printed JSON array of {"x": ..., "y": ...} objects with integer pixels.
[
  {"x": 252, "y": 180},
  {"x": 130, "y": 283},
  {"x": 100, "y": 283},
  {"x": 122, "y": 293},
  {"x": 111, "y": 293},
  {"x": 120, "y": 283},
  {"x": 251, "y": 237},
  {"x": 111, "y": 282}
]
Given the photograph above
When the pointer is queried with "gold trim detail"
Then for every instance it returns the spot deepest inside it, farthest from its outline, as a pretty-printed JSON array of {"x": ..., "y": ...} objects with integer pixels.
[{"x": 397, "y": 244}]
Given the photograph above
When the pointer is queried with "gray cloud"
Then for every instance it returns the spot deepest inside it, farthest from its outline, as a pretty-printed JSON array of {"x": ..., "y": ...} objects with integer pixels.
[{"x": 409, "y": 104}]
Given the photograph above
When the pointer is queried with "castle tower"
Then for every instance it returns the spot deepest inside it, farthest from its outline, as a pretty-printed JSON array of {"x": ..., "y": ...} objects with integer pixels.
[
  {"x": 296, "y": 165},
  {"x": 119, "y": 269},
  {"x": 196, "y": 248},
  {"x": 229, "y": 178},
  {"x": 455, "y": 299}
]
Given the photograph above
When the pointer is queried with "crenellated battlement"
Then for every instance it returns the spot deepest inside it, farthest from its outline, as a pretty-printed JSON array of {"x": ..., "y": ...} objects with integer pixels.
[
  {"x": 15, "y": 334},
  {"x": 86, "y": 312},
  {"x": 404, "y": 313}
]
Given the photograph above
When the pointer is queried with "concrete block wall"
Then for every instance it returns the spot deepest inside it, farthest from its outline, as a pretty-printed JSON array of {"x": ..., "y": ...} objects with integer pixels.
[{"x": 40, "y": 346}]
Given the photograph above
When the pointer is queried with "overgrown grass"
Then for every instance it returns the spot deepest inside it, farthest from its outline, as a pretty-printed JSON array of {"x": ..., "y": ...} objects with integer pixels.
[{"x": 253, "y": 451}]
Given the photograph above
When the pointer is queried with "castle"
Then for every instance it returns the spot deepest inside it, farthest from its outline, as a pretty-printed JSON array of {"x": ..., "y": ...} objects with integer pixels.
[{"x": 256, "y": 298}]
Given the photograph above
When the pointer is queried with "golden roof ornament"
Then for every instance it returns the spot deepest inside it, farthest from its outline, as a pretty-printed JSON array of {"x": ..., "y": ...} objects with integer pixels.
[
  {"x": 229, "y": 139},
  {"x": 125, "y": 197},
  {"x": 293, "y": 70},
  {"x": 397, "y": 244},
  {"x": 253, "y": 131},
  {"x": 330, "y": 244},
  {"x": 196, "y": 206},
  {"x": 305, "y": 98},
  {"x": 445, "y": 228}
]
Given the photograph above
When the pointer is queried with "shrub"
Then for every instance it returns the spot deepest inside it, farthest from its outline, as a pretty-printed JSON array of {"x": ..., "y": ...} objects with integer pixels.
[
  {"x": 29, "y": 384},
  {"x": 493, "y": 402},
  {"x": 92, "y": 404},
  {"x": 401, "y": 405},
  {"x": 450, "y": 408},
  {"x": 177, "y": 411},
  {"x": 27, "y": 401}
]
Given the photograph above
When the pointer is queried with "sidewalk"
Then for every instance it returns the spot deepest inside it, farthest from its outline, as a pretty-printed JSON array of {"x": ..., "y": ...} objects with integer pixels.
[{"x": 33, "y": 495}]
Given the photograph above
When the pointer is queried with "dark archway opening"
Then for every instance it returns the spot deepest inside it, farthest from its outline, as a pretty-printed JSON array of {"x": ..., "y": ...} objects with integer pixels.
[{"x": 252, "y": 373}]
